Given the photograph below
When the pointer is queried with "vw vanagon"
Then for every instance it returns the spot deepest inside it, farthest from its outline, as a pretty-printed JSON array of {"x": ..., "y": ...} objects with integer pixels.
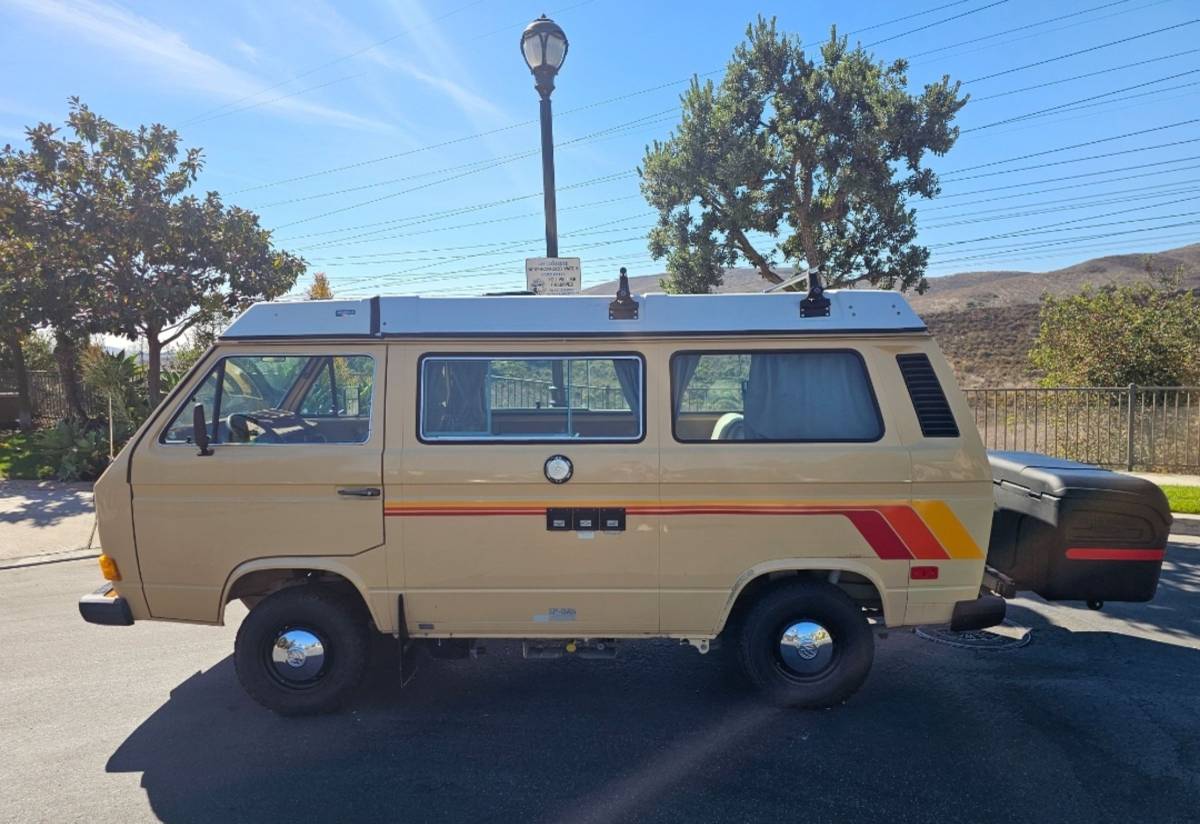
[{"x": 778, "y": 474}]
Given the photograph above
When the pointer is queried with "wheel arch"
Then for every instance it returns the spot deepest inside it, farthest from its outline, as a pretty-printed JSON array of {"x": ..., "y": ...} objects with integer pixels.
[
  {"x": 264, "y": 576},
  {"x": 761, "y": 577}
]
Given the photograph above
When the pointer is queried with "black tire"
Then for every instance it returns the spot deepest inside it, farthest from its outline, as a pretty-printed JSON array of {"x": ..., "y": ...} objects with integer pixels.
[
  {"x": 838, "y": 662},
  {"x": 318, "y": 683}
]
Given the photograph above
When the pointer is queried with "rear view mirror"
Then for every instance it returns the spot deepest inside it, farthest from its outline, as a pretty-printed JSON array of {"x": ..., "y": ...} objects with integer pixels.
[{"x": 200, "y": 429}]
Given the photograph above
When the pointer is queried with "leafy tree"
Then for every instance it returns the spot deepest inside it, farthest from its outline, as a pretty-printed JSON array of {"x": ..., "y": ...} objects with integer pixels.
[
  {"x": 798, "y": 161},
  {"x": 1146, "y": 333},
  {"x": 18, "y": 285},
  {"x": 148, "y": 260},
  {"x": 320, "y": 288},
  {"x": 48, "y": 277}
]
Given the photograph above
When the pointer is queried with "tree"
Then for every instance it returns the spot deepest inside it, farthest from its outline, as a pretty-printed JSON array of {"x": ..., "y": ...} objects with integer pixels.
[
  {"x": 148, "y": 260},
  {"x": 17, "y": 285},
  {"x": 320, "y": 288},
  {"x": 48, "y": 277},
  {"x": 1146, "y": 333},
  {"x": 798, "y": 161}
]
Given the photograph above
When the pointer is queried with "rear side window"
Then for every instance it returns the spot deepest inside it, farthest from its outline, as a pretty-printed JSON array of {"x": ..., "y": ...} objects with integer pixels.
[
  {"x": 264, "y": 399},
  {"x": 799, "y": 396},
  {"x": 469, "y": 398},
  {"x": 928, "y": 399}
]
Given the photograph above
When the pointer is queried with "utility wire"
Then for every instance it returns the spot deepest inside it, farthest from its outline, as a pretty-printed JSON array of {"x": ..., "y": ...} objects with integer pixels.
[
  {"x": 943, "y": 20},
  {"x": 1077, "y": 103},
  {"x": 1082, "y": 76},
  {"x": 1078, "y": 52}
]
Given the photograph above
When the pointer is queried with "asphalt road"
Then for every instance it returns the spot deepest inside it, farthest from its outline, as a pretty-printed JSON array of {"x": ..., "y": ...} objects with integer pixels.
[{"x": 1096, "y": 720}]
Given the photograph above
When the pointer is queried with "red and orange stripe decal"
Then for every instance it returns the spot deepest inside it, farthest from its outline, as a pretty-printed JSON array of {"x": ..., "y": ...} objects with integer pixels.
[{"x": 924, "y": 530}]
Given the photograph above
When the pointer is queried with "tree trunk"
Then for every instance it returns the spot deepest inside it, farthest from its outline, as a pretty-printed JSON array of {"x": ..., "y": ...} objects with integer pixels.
[
  {"x": 66, "y": 355},
  {"x": 12, "y": 340},
  {"x": 154, "y": 349}
]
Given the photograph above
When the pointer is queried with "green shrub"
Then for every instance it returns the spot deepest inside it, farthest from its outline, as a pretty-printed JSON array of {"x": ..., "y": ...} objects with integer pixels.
[{"x": 70, "y": 452}]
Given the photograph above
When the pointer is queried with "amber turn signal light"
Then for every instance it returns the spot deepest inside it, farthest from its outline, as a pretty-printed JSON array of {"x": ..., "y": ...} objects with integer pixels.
[{"x": 108, "y": 567}]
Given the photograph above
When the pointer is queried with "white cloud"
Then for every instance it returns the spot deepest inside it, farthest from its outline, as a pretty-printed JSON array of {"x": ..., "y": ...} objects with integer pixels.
[
  {"x": 137, "y": 39},
  {"x": 248, "y": 51}
]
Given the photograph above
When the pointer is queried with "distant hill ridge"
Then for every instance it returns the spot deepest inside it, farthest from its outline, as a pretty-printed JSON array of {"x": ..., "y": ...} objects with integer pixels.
[{"x": 986, "y": 321}]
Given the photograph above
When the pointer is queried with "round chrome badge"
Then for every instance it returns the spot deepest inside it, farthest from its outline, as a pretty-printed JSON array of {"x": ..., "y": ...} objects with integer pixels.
[{"x": 558, "y": 469}]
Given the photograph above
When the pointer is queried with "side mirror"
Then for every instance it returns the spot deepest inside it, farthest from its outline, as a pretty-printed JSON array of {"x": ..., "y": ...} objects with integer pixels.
[{"x": 200, "y": 430}]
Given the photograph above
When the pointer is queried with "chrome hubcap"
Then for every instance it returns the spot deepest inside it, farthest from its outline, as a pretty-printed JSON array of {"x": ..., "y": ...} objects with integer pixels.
[
  {"x": 806, "y": 648},
  {"x": 297, "y": 657}
]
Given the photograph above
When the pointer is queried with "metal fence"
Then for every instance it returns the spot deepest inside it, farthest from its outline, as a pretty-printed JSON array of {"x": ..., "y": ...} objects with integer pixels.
[
  {"x": 1131, "y": 427},
  {"x": 533, "y": 393},
  {"x": 47, "y": 395}
]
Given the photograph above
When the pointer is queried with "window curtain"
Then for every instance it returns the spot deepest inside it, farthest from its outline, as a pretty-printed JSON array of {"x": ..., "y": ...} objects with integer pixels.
[
  {"x": 631, "y": 388},
  {"x": 456, "y": 396},
  {"x": 683, "y": 368},
  {"x": 811, "y": 396}
]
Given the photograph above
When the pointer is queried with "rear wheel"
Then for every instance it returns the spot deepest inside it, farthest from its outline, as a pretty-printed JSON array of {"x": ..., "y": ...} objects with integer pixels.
[
  {"x": 302, "y": 650},
  {"x": 806, "y": 644}
]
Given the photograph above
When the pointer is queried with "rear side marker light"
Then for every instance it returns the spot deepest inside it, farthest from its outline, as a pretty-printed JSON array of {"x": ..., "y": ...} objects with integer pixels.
[
  {"x": 108, "y": 568},
  {"x": 923, "y": 573}
]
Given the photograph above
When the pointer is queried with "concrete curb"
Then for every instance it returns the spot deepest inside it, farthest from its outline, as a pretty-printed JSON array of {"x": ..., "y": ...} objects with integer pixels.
[
  {"x": 1185, "y": 524},
  {"x": 50, "y": 558}
]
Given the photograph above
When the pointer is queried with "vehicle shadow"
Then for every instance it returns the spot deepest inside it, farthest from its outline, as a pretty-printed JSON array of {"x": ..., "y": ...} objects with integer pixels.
[{"x": 1085, "y": 726}]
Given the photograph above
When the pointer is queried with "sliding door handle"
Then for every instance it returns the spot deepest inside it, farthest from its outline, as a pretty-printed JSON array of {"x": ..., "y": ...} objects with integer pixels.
[{"x": 360, "y": 491}]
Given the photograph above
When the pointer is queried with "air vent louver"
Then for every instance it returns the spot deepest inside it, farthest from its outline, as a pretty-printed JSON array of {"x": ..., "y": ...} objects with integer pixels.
[{"x": 928, "y": 399}]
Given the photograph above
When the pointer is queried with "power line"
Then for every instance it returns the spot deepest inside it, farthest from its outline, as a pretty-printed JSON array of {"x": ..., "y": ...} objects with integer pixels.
[
  {"x": 1064, "y": 241},
  {"x": 1076, "y": 103},
  {"x": 1059, "y": 206},
  {"x": 1065, "y": 177},
  {"x": 411, "y": 220},
  {"x": 1050, "y": 228},
  {"x": 940, "y": 22},
  {"x": 646, "y": 120},
  {"x": 1082, "y": 76},
  {"x": 1025, "y": 27},
  {"x": 910, "y": 16},
  {"x": 1081, "y": 51},
  {"x": 1086, "y": 143}
]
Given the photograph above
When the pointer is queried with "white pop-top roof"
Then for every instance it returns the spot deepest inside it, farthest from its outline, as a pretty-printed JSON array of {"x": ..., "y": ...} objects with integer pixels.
[{"x": 851, "y": 310}]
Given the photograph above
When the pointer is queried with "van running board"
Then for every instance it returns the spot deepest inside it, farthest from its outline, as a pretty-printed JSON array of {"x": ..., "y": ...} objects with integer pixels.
[{"x": 585, "y": 648}]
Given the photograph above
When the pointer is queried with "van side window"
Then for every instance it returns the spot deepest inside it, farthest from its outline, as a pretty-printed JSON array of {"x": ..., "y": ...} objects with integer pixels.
[
  {"x": 263, "y": 399},
  {"x": 531, "y": 398},
  {"x": 799, "y": 396}
]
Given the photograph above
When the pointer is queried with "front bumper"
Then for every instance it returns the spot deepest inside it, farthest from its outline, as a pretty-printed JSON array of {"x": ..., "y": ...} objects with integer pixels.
[
  {"x": 104, "y": 606},
  {"x": 980, "y": 613}
]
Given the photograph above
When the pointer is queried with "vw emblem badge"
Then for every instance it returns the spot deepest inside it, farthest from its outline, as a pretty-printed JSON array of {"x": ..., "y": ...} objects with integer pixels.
[
  {"x": 296, "y": 657},
  {"x": 558, "y": 469}
]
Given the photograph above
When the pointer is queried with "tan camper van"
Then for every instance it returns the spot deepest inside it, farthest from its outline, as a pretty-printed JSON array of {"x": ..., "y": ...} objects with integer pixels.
[{"x": 775, "y": 474}]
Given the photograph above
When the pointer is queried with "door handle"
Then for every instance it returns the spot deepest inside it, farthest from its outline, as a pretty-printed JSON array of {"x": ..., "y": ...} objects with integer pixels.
[{"x": 360, "y": 492}]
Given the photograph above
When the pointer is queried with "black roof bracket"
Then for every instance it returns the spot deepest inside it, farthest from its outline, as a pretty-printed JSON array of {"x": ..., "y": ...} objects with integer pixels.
[
  {"x": 624, "y": 307},
  {"x": 814, "y": 304}
]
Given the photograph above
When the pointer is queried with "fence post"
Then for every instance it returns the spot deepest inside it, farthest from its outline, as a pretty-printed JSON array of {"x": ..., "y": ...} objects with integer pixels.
[{"x": 1129, "y": 445}]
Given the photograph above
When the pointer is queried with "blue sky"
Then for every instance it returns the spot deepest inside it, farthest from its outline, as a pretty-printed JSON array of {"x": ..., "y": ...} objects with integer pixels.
[{"x": 320, "y": 116}]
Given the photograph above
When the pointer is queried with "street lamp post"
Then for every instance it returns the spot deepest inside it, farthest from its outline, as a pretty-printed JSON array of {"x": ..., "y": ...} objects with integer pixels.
[{"x": 544, "y": 47}]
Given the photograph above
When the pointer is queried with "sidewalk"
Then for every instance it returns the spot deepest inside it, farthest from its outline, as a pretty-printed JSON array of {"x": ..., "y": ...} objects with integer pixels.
[
  {"x": 1162, "y": 478},
  {"x": 42, "y": 519}
]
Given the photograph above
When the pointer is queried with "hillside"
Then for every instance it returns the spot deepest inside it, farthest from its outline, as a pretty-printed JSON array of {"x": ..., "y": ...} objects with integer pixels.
[{"x": 987, "y": 321}]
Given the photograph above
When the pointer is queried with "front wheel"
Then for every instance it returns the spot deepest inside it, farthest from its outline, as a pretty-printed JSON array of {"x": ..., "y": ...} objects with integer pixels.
[
  {"x": 806, "y": 644},
  {"x": 302, "y": 650}
]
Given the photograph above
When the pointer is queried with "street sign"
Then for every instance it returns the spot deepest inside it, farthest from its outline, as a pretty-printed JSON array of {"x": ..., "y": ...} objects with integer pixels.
[{"x": 553, "y": 276}]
